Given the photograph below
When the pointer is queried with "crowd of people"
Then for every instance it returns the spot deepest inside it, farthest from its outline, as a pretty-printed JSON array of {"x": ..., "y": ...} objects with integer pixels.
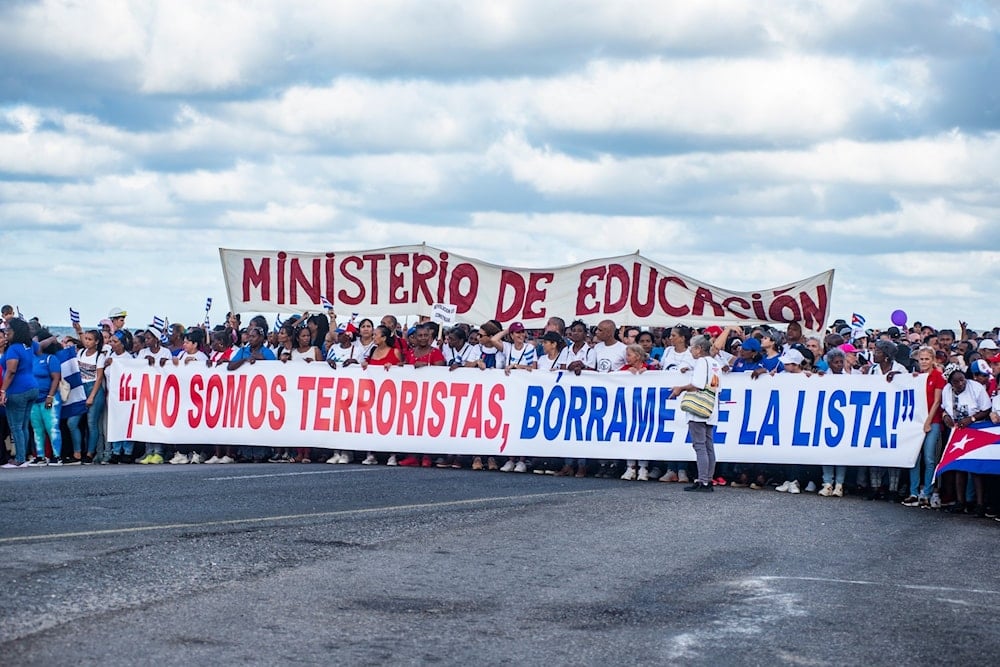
[{"x": 54, "y": 398}]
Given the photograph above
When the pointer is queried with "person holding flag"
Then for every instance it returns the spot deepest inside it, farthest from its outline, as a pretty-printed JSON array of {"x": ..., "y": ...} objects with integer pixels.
[{"x": 964, "y": 404}]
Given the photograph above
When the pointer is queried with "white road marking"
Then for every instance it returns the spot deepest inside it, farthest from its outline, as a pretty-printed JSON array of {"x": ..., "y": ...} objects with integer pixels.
[
  {"x": 913, "y": 587},
  {"x": 293, "y": 474},
  {"x": 288, "y": 517}
]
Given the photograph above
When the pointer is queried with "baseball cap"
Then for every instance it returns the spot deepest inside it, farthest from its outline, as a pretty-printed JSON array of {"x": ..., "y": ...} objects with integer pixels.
[
  {"x": 553, "y": 337},
  {"x": 792, "y": 356},
  {"x": 847, "y": 347},
  {"x": 713, "y": 331},
  {"x": 751, "y": 344},
  {"x": 515, "y": 327},
  {"x": 987, "y": 344},
  {"x": 980, "y": 367},
  {"x": 994, "y": 360},
  {"x": 117, "y": 312}
]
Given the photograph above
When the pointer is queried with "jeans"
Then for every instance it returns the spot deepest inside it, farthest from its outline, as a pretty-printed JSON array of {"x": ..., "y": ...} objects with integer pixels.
[
  {"x": 834, "y": 472},
  {"x": 95, "y": 421},
  {"x": 121, "y": 447},
  {"x": 46, "y": 421},
  {"x": 930, "y": 456},
  {"x": 704, "y": 449},
  {"x": 18, "y": 416},
  {"x": 75, "y": 433}
]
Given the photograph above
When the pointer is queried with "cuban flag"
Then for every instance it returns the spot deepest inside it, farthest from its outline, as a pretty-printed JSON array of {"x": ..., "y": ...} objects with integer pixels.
[
  {"x": 277, "y": 323},
  {"x": 857, "y": 325},
  {"x": 326, "y": 302},
  {"x": 74, "y": 316},
  {"x": 208, "y": 307},
  {"x": 974, "y": 449}
]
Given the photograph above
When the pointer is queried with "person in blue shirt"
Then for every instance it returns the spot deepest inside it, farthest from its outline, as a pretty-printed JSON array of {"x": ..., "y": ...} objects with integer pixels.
[
  {"x": 18, "y": 391},
  {"x": 253, "y": 351},
  {"x": 45, "y": 412},
  {"x": 749, "y": 358}
]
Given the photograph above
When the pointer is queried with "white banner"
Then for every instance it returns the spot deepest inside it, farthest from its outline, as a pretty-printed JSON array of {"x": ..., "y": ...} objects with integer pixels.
[
  {"x": 408, "y": 280},
  {"x": 788, "y": 418}
]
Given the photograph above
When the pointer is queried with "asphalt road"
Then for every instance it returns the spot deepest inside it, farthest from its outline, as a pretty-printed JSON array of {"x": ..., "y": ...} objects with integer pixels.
[{"x": 321, "y": 564}]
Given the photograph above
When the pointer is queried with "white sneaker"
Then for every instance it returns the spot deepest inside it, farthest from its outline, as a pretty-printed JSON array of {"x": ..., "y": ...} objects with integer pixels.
[
  {"x": 520, "y": 467},
  {"x": 935, "y": 501},
  {"x": 196, "y": 458},
  {"x": 179, "y": 459},
  {"x": 346, "y": 457},
  {"x": 826, "y": 491},
  {"x": 226, "y": 459},
  {"x": 784, "y": 487},
  {"x": 682, "y": 476},
  {"x": 643, "y": 475},
  {"x": 370, "y": 460},
  {"x": 335, "y": 458},
  {"x": 838, "y": 491},
  {"x": 794, "y": 487},
  {"x": 214, "y": 459},
  {"x": 811, "y": 487},
  {"x": 629, "y": 475},
  {"x": 392, "y": 461},
  {"x": 508, "y": 466}
]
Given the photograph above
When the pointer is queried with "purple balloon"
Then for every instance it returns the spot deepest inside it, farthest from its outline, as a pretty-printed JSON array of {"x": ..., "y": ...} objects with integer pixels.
[{"x": 899, "y": 318}]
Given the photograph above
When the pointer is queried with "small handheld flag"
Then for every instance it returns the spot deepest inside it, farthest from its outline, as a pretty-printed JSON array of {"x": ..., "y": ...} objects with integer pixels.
[
  {"x": 326, "y": 302},
  {"x": 74, "y": 316},
  {"x": 208, "y": 307},
  {"x": 277, "y": 323}
]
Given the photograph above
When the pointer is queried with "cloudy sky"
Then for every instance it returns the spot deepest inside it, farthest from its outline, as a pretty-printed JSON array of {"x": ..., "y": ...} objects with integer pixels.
[{"x": 744, "y": 143}]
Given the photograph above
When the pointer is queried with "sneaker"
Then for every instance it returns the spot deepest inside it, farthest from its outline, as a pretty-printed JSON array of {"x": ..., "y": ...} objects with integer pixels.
[
  {"x": 179, "y": 459},
  {"x": 491, "y": 464},
  {"x": 426, "y": 462},
  {"x": 305, "y": 460},
  {"x": 346, "y": 457},
  {"x": 911, "y": 501},
  {"x": 520, "y": 467},
  {"x": 213, "y": 460},
  {"x": 935, "y": 503},
  {"x": 392, "y": 461},
  {"x": 682, "y": 476},
  {"x": 370, "y": 460},
  {"x": 719, "y": 481},
  {"x": 335, "y": 458},
  {"x": 602, "y": 471},
  {"x": 196, "y": 458},
  {"x": 669, "y": 476},
  {"x": 629, "y": 475},
  {"x": 826, "y": 491},
  {"x": 784, "y": 486},
  {"x": 440, "y": 462},
  {"x": 924, "y": 502},
  {"x": 286, "y": 458},
  {"x": 477, "y": 463},
  {"x": 10, "y": 465},
  {"x": 811, "y": 487},
  {"x": 508, "y": 466},
  {"x": 699, "y": 487},
  {"x": 38, "y": 462},
  {"x": 410, "y": 461},
  {"x": 156, "y": 459},
  {"x": 26, "y": 464},
  {"x": 581, "y": 472},
  {"x": 145, "y": 459},
  {"x": 643, "y": 475},
  {"x": 794, "y": 487},
  {"x": 55, "y": 461},
  {"x": 226, "y": 459},
  {"x": 838, "y": 491}
]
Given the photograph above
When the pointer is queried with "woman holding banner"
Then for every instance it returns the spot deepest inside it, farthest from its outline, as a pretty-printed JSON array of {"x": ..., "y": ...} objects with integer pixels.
[{"x": 706, "y": 378}]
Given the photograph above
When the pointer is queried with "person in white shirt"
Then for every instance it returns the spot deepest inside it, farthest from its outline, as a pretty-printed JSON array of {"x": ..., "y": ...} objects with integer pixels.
[
  {"x": 609, "y": 357},
  {"x": 609, "y": 352},
  {"x": 706, "y": 374},
  {"x": 581, "y": 353},
  {"x": 964, "y": 402}
]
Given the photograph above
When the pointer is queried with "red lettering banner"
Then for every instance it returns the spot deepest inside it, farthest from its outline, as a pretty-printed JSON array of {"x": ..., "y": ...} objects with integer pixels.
[{"x": 408, "y": 280}]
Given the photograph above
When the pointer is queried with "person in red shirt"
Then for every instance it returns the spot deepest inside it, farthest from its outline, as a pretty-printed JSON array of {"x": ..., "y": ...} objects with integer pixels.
[{"x": 921, "y": 496}]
